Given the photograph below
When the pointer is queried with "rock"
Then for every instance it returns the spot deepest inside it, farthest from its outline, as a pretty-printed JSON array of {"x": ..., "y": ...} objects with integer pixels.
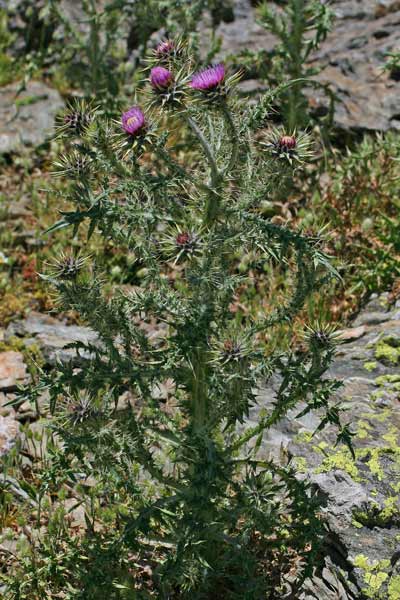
[
  {"x": 354, "y": 333},
  {"x": 27, "y": 118},
  {"x": 12, "y": 370},
  {"x": 52, "y": 336},
  {"x": 9, "y": 429}
]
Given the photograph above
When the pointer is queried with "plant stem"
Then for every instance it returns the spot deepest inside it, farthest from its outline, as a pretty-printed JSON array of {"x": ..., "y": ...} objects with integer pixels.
[{"x": 213, "y": 196}]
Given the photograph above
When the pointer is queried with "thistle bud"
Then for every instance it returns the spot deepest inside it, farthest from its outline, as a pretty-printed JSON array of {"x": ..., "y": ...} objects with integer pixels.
[
  {"x": 161, "y": 78},
  {"x": 76, "y": 118},
  {"x": 287, "y": 143},
  {"x": 165, "y": 48}
]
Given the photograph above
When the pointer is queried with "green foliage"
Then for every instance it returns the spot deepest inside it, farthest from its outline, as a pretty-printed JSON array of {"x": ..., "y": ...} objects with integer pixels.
[
  {"x": 96, "y": 47},
  {"x": 359, "y": 198},
  {"x": 176, "y": 499},
  {"x": 300, "y": 26}
]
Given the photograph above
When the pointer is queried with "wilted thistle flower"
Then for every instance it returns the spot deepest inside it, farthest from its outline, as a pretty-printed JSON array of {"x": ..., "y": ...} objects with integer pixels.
[
  {"x": 232, "y": 349},
  {"x": 161, "y": 78},
  {"x": 76, "y": 118},
  {"x": 186, "y": 242},
  {"x": 75, "y": 164},
  {"x": 133, "y": 121},
  {"x": 67, "y": 267},
  {"x": 209, "y": 79},
  {"x": 82, "y": 409},
  {"x": 321, "y": 337}
]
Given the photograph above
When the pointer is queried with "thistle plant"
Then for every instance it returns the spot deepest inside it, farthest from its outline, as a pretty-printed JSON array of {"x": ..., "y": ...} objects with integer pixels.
[{"x": 180, "y": 501}]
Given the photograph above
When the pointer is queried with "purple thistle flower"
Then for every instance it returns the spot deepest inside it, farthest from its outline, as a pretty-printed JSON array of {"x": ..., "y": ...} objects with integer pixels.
[
  {"x": 208, "y": 79},
  {"x": 160, "y": 77},
  {"x": 133, "y": 120},
  {"x": 165, "y": 48}
]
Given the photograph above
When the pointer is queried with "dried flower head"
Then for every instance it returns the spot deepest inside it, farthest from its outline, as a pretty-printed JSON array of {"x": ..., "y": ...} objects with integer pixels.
[
  {"x": 321, "y": 337},
  {"x": 186, "y": 241},
  {"x": 209, "y": 79},
  {"x": 76, "y": 118},
  {"x": 133, "y": 121},
  {"x": 161, "y": 78},
  {"x": 82, "y": 409},
  {"x": 67, "y": 267},
  {"x": 74, "y": 164},
  {"x": 232, "y": 349}
]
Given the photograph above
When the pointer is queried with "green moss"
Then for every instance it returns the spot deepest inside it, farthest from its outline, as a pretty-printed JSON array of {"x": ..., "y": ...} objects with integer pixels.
[
  {"x": 394, "y": 588},
  {"x": 341, "y": 459},
  {"x": 370, "y": 366},
  {"x": 300, "y": 464},
  {"x": 363, "y": 429},
  {"x": 387, "y": 349},
  {"x": 382, "y": 379},
  {"x": 375, "y": 574},
  {"x": 391, "y": 505}
]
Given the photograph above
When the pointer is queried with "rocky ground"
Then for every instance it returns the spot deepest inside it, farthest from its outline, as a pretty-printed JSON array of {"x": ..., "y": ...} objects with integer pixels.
[{"x": 360, "y": 498}]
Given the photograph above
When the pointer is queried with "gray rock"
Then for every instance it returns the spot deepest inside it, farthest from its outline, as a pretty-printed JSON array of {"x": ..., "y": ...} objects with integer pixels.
[
  {"x": 26, "y": 118},
  {"x": 52, "y": 336},
  {"x": 9, "y": 429}
]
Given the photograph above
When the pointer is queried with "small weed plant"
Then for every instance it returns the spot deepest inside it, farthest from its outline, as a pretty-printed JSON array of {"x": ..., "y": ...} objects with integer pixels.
[{"x": 156, "y": 431}]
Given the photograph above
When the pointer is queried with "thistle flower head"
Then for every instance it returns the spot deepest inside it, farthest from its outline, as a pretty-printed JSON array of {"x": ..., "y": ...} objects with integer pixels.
[
  {"x": 76, "y": 118},
  {"x": 291, "y": 147},
  {"x": 321, "y": 337},
  {"x": 67, "y": 267},
  {"x": 74, "y": 164},
  {"x": 82, "y": 409},
  {"x": 161, "y": 78},
  {"x": 287, "y": 142},
  {"x": 186, "y": 241},
  {"x": 181, "y": 243},
  {"x": 133, "y": 120},
  {"x": 208, "y": 79},
  {"x": 233, "y": 349}
]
